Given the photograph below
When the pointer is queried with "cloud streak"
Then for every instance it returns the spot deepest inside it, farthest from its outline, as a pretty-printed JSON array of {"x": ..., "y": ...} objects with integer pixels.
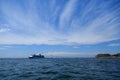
[
  {"x": 114, "y": 44},
  {"x": 67, "y": 13},
  {"x": 69, "y": 23},
  {"x": 4, "y": 30},
  {"x": 69, "y": 54},
  {"x": 4, "y": 47}
]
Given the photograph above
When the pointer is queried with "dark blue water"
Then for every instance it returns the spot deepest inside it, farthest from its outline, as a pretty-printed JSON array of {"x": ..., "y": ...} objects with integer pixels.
[{"x": 60, "y": 69}]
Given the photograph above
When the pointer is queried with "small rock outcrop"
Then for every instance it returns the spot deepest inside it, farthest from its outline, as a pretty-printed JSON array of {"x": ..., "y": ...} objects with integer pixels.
[
  {"x": 116, "y": 55},
  {"x": 108, "y": 55}
]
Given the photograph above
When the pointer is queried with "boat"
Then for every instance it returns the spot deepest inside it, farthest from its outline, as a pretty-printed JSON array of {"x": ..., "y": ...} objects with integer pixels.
[{"x": 36, "y": 56}]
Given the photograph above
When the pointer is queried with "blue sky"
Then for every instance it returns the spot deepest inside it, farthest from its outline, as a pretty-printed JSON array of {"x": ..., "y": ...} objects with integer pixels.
[{"x": 60, "y": 28}]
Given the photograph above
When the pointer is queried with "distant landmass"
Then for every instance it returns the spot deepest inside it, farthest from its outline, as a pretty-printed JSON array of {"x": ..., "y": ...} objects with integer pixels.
[{"x": 108, "y": 55}]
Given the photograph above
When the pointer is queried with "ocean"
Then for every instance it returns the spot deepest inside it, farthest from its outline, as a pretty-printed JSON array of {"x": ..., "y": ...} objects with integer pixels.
[{"x": 60, "y": 69}]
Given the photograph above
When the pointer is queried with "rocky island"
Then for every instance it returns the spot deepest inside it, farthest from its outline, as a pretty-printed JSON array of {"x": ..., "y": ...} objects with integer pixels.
[{"x": 108, "y": 55}]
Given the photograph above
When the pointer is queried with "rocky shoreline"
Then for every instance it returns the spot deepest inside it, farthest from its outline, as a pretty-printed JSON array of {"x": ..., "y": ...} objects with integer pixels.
[{"x": 108, "y": 55}]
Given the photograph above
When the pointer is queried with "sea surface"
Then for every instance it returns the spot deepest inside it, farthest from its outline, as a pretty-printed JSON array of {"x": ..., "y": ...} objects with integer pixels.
[{"x": 60, "y": 69}]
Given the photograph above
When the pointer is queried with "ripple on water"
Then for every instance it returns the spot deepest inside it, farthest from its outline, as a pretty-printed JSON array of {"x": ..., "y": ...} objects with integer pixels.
[
  {"x": 62, "y": 76},
  {"x": 50, "y": 72},
  {"x": 60, "y": 69}
]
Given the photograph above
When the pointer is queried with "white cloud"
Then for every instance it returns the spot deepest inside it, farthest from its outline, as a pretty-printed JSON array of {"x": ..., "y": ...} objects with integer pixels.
[
  {"x": 4, "y": 30},
  {"x": 4, "y": 47},
  {"x": 1, "y": 48},
  {"x": 75, "y": 46},
  {"x": 69, "y": 54},
  {"x": 67, "y": 13},
  {"x": 28, "y": 27},
  {"x": 114, "y": 44}
]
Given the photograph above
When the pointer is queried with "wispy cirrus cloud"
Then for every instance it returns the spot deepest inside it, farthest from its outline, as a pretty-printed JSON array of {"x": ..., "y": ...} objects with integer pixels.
[
  {"x": 4, "y": 47},
  {"x": 69, "y": 22},
  {"x": 67, "y": 13},
  {"x": 4, "y": 29},
  {"x": 1, "y": 48},
  {"x": 114, "y": 44},
  {"x": 69, "y": 54}
]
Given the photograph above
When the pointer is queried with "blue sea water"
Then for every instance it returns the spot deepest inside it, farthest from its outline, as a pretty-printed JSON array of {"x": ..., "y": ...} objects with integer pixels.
[{"x": 60, "y": 69}]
